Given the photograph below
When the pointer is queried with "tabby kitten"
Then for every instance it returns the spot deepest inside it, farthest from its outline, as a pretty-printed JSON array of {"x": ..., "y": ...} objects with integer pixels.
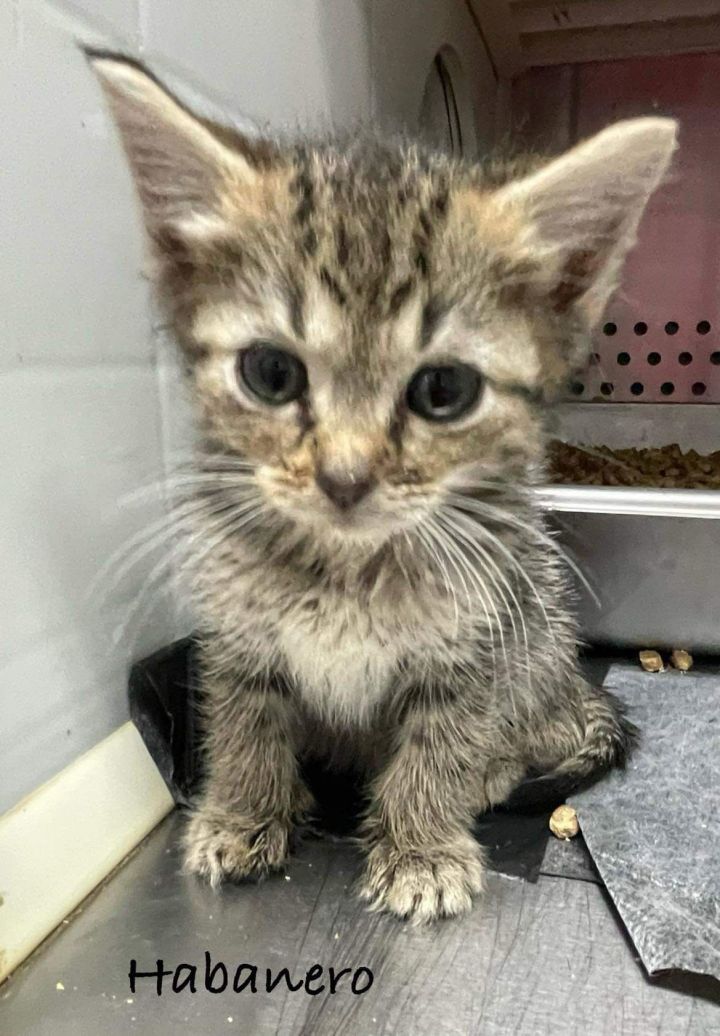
[{"x": 373, "y": 336}]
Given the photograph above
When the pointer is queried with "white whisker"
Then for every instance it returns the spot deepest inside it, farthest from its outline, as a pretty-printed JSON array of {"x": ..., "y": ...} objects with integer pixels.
[
  {"x": 482, "y": 598},
  {"x": 181, "y": 552},
  {"x": 494, "y": 573},
  {"x": 427, "y": 542},
  {"x": 483, "y": 531},
  {"x": 537, "y": 532},
  {"x": 149, "y": 538}
]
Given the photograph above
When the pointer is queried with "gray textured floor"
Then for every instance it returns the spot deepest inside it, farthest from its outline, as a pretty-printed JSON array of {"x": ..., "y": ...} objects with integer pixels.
[
  {"x": 654, "y": 830},
  {"x": 531, "y": 960}
]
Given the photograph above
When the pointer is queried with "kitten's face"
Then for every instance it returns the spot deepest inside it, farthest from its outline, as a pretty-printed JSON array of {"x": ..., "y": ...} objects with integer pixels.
[
  {"x": 370, "y": 327},
  {"x": 354, "y": 343}
]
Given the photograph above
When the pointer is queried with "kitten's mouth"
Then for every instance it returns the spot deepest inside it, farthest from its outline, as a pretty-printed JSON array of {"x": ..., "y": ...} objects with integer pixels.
[
  {"x": 381, "y": 513},
  {"x": 368, "y": 523},
  {"x": 367, "y": 520}
]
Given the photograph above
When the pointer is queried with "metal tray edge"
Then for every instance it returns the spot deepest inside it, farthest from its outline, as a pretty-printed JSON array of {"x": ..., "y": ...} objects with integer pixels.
[{"x": 622, "y": 500}]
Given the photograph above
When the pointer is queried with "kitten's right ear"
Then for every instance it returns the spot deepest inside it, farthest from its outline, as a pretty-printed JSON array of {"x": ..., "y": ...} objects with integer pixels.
[{"x": 183, "y": 171}]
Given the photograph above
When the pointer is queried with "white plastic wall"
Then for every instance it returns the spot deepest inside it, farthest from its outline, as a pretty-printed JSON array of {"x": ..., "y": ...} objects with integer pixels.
[
  {"x": 88, "y": 404},
  {"x": 406, "y": 35}
]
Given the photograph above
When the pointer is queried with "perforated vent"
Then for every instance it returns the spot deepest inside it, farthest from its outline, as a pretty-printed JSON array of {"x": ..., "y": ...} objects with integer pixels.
[{"x": 643, "y": 363}]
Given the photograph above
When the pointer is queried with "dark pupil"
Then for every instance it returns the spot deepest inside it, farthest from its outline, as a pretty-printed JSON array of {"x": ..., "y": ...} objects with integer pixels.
[
  {"x": 443, "y": 387},
  {"x": 274, "y": 372},
  {"x": 272, "y": 375},
  {"x": 444, "y": 393}
]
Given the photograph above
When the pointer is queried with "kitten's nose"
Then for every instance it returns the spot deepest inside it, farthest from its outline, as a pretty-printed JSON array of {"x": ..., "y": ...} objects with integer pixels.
[{"x": 344, "y": 490}]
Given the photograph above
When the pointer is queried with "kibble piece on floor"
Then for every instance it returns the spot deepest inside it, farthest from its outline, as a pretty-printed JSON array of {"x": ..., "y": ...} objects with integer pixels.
[
  {"x": 681, "y": 660},
  {"x": 651, "y": 662},
  {"x": 564, "y": 822}
]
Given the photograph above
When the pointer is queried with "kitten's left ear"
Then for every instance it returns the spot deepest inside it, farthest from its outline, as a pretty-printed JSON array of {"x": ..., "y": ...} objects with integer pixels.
[
  {"x": 580, "y": 213},
  {"x": 185, "y": 168}
]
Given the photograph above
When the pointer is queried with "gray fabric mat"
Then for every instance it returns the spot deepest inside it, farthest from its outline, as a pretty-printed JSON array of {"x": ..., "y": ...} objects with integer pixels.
[{"x": 654, "y": 830}]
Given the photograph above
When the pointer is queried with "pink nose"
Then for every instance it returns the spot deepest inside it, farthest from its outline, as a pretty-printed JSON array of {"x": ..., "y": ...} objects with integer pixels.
[{"x": 344, "y": 491}]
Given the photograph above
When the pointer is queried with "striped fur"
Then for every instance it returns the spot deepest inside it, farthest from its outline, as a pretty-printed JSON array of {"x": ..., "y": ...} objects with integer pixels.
[{"x": 423, "y": 637}]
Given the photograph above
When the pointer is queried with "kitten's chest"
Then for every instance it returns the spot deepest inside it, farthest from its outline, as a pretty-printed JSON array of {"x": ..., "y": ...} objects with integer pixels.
[
  {"x": 342, "y": 655},
  {"x": 344, "y": 651}
]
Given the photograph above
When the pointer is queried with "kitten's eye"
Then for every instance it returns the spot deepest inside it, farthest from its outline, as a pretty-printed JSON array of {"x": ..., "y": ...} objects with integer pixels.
[
  {"x": 444, "y": 393},
  {"x": 273, "y": 375}
]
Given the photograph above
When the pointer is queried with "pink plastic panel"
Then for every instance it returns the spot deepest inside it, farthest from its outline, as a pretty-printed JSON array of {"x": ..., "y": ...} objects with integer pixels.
[{"x": 661, "y": 338}]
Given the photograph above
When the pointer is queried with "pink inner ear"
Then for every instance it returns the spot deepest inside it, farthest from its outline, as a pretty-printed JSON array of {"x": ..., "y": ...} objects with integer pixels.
[{"x": 672, "y": 275}]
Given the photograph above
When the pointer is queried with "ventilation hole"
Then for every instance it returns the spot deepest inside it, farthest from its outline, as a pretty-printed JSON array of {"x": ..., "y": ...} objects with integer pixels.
[
  {"x": 640, "y": 328},
  {"x": 672, "y": 327},
  {"x": 667, "y": 388},
  {"x": 654, "y": 359},
  {"x": 703, "y": 327},
  {"x": 610, "y": 329},
  {"x": 607, "y": 388},
  {"x": 637, "y": 388},
  {"x": 577, "y": 388},
  {"x": 699, "y": 388},
  {"x": 623, "y": 359},
  {"x": 685, "y": 358},
  {"x": 715, "y": 358}
]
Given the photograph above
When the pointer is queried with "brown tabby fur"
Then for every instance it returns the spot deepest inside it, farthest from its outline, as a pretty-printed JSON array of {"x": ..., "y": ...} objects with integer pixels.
[{"x": 422, "y": 636}]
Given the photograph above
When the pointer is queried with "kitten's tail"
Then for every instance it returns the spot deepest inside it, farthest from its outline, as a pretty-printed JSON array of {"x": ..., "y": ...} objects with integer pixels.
[{"x": 609, "y": 737}]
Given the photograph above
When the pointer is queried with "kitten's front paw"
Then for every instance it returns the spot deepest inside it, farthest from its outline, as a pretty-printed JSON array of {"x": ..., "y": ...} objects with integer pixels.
[
  {"x": 424, "y": 884},
  {"x": 221, "y": 846}
]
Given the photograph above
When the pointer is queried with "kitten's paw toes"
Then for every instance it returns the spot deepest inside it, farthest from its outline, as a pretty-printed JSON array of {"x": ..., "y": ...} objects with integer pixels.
[
  {"x": 222, "y": 847},
  {"x": 424, "y": 884}
]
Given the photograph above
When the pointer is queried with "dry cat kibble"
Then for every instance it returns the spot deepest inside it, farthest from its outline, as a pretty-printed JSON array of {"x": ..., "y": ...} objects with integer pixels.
[
  {"x": 564, "y": 822},
  {"x": 681, "y": 660},
  {"x": 660, "y": 467},
  {"x": 651, "y": 662}
]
